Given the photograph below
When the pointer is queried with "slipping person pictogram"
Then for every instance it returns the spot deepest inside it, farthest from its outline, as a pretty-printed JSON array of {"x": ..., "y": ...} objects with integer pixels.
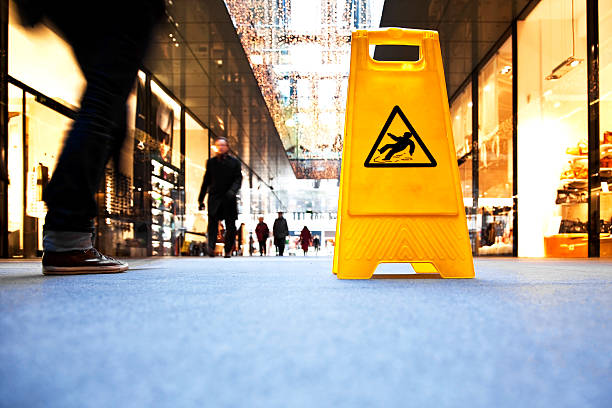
[
  {"x": 401, "y": 143},
  {"x": 407, "y": 150}
]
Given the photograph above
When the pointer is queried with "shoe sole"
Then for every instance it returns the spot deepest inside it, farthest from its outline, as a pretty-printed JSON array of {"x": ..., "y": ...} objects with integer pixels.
[{"x": 82, "y": 270}]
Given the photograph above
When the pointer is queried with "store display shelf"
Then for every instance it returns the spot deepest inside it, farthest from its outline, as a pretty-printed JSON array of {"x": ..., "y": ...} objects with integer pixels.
[
  {"x": 163, "y": 182},
  {"x": 565, "y": 181},
  {"x": 169, "y": 228},
  {"x": 166, "y": 165},
  {"x": 161, "y": 194},
  {"x": 163, "y": 209},
  {"x": 161, "y": 225}
]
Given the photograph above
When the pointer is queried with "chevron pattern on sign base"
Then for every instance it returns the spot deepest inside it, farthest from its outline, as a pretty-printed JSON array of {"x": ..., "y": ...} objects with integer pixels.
[{"x": 409, "y": 239}]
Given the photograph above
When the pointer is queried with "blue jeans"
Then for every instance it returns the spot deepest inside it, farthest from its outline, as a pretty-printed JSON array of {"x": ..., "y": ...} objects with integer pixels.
[{"x": 109, "y": 41}]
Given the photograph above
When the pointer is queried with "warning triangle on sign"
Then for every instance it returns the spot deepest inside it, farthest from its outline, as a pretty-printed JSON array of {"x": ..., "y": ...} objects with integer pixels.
[{"x": 399, "y": 145}]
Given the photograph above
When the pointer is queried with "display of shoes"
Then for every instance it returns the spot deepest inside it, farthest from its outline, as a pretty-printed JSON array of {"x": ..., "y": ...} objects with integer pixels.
[
  {"x": 572, "y": 227},
  {"x": 581, "y": 149}
]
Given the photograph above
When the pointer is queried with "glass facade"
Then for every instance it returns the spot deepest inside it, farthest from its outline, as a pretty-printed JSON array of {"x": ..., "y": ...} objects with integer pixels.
[
  {"x": 16, "y": 187},
  {"x": 605, "y": 124},
  {"x": 495, "y": 202},
  {"x": 194, "y": 87},
  {"x": 552, "y": 131},
  {"x": 538, "y": 109},
  {"x": 461, "y": 117},
  {"x": 520, "y": 120}
]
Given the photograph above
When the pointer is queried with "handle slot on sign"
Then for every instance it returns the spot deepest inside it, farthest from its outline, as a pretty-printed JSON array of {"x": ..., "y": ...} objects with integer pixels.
[
  {"x": 409, "y": 53},
  {"x": 396, "y": 49}
]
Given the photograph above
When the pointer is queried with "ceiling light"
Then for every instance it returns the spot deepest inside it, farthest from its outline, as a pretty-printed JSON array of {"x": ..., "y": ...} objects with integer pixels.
[{"x": 563, "y": 68}]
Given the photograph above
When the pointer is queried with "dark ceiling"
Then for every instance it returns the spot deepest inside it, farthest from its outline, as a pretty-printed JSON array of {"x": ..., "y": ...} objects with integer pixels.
[{"x": 468, "y": 28}]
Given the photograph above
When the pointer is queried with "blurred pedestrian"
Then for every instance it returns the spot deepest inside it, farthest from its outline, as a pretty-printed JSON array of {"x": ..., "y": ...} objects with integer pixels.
[
  {"x": 263, "y": 232},
  {"x": 222, "y": 181},
  {"x": 316, "y": 243},
  {"x": 240, "y": 240},
  {"x": 251, "y": 244},
  {"x": 280, "y": 230},
  {"x": 305, "y": 238},
  {"x": 109, "y": 40}
]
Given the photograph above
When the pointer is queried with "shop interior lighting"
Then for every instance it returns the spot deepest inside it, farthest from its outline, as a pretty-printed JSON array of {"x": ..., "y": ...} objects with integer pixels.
[
  {"x": 563, "y": 68},
  {"x": 571, "y": 62},
  {"x": 506, "y": 70}
]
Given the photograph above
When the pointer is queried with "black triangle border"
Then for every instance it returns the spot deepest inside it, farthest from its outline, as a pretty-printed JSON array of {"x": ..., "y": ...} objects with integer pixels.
[{"x": 397, "y": 111}]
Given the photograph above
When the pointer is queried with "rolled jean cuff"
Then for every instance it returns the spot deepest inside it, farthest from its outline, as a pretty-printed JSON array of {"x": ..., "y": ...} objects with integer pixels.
[{"x": 60, "y": 241}]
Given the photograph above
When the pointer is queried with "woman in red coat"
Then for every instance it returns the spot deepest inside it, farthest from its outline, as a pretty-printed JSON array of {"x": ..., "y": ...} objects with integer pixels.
[{"x": 305, "y": 239}]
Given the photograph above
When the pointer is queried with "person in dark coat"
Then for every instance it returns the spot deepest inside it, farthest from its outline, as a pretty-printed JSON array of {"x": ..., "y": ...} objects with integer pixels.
[
  {"x": 222, "y": 181},
  {"x": 305, "y": 238},
  {"x": 109, "y": 40},
  {"x": 251, "y": 242},
  {"x": 280, "y": 231},
  {"x": 263, "y": 232},
  {"x": 316, "y": 243}
]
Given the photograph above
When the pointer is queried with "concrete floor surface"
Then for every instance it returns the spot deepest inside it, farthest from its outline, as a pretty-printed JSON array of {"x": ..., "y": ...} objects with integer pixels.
[{"x": 284, "y": 332}]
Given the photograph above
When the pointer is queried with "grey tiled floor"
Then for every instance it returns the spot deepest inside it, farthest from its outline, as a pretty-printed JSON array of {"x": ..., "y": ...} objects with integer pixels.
[{"x": 284, "y": 332}]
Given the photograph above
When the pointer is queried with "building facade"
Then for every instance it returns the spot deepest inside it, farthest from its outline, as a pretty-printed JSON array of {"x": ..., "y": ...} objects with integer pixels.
[
  {"x": 530, "y": 85},
  {"x": 195, "y": 85}
]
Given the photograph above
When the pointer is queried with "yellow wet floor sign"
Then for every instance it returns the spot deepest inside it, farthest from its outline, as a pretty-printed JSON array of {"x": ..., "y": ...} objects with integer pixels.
[{"x": 400, "y": 196}]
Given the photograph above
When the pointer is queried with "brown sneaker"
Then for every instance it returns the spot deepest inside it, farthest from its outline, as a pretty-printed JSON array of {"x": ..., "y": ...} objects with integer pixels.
[{"x": 80, "y": 262}]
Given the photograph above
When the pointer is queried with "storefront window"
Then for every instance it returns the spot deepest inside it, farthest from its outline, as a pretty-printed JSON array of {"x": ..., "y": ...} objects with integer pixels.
[
  {"x": 44, "y": 61},
  {"x": 196, "y": 148},
  {"x": 461, "y": 117},
  {"x": 495, "y": 154},
  {"x": 115, "y": 228},
  {"x": 46, "y": 130},
  {"x": 166, "y": 113},
  {"x": 552, "y": 131},
  {"x": 605, "y": 125},
  {"x": 15, "y": 168},
  {"x": 166, "y": 193}
]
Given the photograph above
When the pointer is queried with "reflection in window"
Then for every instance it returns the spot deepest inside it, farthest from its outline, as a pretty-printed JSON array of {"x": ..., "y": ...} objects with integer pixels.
[
  {"x": 605, "y": 125},
  {"x": 495, "y": 154},
  {"x": 196, "y": 155},
  {"x": 45, "y": 133},
  {"x": 552, "y": 131},
  {"x": 461, "y": 117},
  {"x": 15, "y": 169}
]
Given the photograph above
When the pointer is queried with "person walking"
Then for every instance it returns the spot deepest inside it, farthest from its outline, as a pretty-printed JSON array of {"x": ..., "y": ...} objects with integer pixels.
[
  {"x": 305, "y": 238},
  {"x": 109, "y": 40},
  {"x": 263, "y": 232},
  {"x": 316, "y": 243},
  {"x": 240, "y": 240},
  {"x": 222, "y": 181},
  {"x": 280, "y": 230},
  {"x": 251, "y": 244}
]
